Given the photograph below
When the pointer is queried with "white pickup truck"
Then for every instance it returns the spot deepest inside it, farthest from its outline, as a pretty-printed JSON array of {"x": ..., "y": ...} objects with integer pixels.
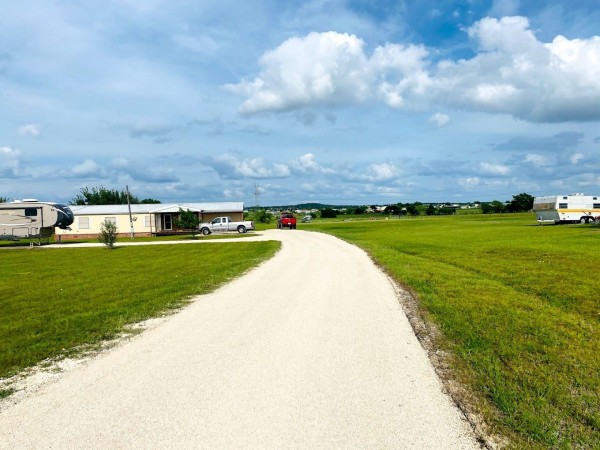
[{"x": 225, "y": 224}]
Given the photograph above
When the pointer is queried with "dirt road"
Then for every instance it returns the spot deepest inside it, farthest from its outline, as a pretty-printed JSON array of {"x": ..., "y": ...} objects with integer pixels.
[{"x": 310, "y": 350}]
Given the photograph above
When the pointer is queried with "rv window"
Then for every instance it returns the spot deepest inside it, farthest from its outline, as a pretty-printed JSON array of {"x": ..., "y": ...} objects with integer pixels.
[
  {"x": 564, "y": 198},
  {"x": 596, "y": 205},
  {"x": 84, "y": 223},
  {"x": 31, "y": 212},
  {"x": 563, "y": 205}
]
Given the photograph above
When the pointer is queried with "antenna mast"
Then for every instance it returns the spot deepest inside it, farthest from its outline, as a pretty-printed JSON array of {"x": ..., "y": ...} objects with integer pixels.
[{"x": 257, "y": 194}]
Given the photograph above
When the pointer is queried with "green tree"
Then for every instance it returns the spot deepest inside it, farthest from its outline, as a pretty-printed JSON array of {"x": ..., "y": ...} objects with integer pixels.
[
  {"x": 360, "y": 210},
  {"x": 521, "y": 203},
  {"x": 430, "y": 210},
  {"x": 328, "y": 213},
  {"x": 392, "y": 209},
  {"x": 3, "y": 199},
  {"x": 103, "y": 196},
  {"x": 108, "y": 233},
  {"x": 263, "y": 216},
  {"x": 187, "y": 220},
  {"x": 494, "y": 207}
]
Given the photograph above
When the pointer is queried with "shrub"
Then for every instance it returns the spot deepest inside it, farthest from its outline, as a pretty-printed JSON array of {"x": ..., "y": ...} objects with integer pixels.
[
  {"x": 108, "y": 233},
  {"x": 263, "y": 216}
]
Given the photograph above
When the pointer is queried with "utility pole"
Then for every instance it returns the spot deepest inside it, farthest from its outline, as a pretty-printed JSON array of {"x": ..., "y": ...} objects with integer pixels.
[
  {"x": 129, "y": 207},
  {"x": 257, "y": 194}
]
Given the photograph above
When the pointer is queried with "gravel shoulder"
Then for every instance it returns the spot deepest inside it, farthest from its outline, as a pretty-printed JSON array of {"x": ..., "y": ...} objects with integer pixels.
[{"x": 309, "y": 350}]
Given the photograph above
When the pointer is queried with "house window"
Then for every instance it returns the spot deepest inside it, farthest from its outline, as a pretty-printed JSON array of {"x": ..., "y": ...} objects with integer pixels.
[
  {"x": 111, "y": 219},
  {"x": 563, "y": 205},
  {"x": 84, "y": 223},
  {"x": 147, "y": 221},
  {"x": 31, "y": 212}
]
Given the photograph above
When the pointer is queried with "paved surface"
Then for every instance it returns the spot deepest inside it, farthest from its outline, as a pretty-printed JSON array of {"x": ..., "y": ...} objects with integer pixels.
[{"x": 310, "y": 350}]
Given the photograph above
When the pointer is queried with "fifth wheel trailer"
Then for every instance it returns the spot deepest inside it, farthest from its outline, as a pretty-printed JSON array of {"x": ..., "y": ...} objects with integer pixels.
[
  {"x": 567, "y": 208},
  {"x": 30, "y": 219}
]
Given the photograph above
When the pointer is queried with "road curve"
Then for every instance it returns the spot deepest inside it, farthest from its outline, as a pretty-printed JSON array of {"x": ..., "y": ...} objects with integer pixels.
[{"x": 310, "y": 350}]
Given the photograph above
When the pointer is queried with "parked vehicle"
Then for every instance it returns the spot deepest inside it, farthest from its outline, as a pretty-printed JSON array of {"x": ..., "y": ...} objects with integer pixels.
[
  {"x": 307, "y": 218},
  {"x": 286, "y": 220},
  {"x": 31, "y": 219},
  {"x": 567, "y": 208},
  {"x": 225, "y": 224}
]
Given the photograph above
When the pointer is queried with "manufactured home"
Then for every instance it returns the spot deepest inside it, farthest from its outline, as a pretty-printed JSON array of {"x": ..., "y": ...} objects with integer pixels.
[
  {"x": 567, "y": 208},
  {"x": 31, "y": 219},
  {"x": 145, "y": 219}
]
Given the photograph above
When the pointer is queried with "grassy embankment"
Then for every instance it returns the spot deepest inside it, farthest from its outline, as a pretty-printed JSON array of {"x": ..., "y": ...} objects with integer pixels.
[
  {"x": 519, "y": 308},
  {"x": 56, "y": 300}
]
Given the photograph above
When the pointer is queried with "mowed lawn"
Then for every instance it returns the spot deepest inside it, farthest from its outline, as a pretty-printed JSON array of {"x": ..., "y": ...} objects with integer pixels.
[
  {"x": 518, "y": 305},
  {"x": 55, "y": 300}
]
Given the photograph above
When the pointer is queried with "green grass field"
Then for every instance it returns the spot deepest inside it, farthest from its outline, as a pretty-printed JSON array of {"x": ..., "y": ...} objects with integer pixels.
[
  {"x": 518, "y": 307},
  {"x": 56, "y": 300}
]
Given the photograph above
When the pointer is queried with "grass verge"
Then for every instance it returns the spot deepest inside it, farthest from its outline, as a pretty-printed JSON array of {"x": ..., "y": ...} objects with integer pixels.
[
  {"x": 518, "y": 308},
  {"x": 55, "y": 300}
]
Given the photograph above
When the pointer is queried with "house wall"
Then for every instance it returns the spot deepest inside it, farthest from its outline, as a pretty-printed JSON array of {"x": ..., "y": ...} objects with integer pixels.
[{"x": 88, "y": 226}]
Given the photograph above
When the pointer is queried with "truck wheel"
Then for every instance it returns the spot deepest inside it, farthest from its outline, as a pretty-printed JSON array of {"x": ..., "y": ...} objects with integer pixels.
[
  {"x": 583, "y": 220},
  {"x": 241, "y": 229},
  {"x": 205, "y": 231}
]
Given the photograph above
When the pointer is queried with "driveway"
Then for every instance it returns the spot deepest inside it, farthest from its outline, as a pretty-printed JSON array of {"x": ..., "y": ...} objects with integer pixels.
[{"x": 309, "y": 350}]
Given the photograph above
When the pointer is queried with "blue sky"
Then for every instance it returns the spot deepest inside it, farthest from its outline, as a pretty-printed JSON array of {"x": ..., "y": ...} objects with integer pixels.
[{"x": 333, "y": 101}]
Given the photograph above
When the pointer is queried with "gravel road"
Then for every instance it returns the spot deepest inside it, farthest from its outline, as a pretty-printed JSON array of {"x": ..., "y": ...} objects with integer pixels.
[{"x": 310, "y": 350}]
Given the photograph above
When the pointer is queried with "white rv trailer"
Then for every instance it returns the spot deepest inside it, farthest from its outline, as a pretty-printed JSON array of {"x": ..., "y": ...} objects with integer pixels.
[
  {"x": 567, "y": 208},
  {"x": 30, "y": 219}
]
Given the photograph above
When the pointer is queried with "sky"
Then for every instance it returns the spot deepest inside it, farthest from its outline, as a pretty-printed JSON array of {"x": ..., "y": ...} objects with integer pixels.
[{"x": 281, "y": 102}]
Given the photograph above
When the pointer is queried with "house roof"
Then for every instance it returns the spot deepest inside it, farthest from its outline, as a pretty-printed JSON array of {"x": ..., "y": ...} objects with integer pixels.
[{"x": 219, "y": 207}]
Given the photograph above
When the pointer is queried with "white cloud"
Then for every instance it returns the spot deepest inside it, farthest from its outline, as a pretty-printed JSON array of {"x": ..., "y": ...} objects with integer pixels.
[
  {"x": 576, "y": 157},
  {"x": 439, "y": 119},
  {"x": 332, "y": 69},
  {"x": 307, "y": 164},
  {"x": 516, "y": 74},
  {"x": 537, "y": 160},
  {"x": 229, "y": 166},
  {"x": 469, "y": 182},
  {"x": 10, "y": 165},
  {"x": 141, "y": 172},
  {"x": 234, "y": 193},
  {"x": 494, "y": 169},
  {"x": 31, "y": 130},
  {"x": 513, "y": 73},
  {"x": 381, "y": 172},
  {"x": 88, "y": 168}
]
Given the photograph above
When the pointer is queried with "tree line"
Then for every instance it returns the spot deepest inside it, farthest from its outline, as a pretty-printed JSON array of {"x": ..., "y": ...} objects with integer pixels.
[
  {"x": 522, "y": 202},
  {"x": 103, "y": 196}
]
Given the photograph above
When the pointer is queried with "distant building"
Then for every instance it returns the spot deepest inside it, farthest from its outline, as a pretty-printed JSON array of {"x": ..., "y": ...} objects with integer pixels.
[{"x": 148, "y": 220}]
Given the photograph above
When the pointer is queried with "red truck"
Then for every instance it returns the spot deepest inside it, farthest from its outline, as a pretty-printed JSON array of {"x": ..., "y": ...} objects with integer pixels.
[{"x": 286, "y": 220}]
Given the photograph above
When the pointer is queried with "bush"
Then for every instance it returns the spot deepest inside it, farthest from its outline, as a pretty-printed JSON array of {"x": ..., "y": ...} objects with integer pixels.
[
  {"x": 188, "y": 220},
  {"x": 263, "y": 216},
  {"x": 108, "y": 234},
  {"x": 328, "y": 213}
]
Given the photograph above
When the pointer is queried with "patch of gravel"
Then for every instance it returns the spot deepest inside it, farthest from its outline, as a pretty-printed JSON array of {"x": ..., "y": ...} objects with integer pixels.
[
  {"x": 428, "y": 335},
  {"x": 29, "y": 381}
]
